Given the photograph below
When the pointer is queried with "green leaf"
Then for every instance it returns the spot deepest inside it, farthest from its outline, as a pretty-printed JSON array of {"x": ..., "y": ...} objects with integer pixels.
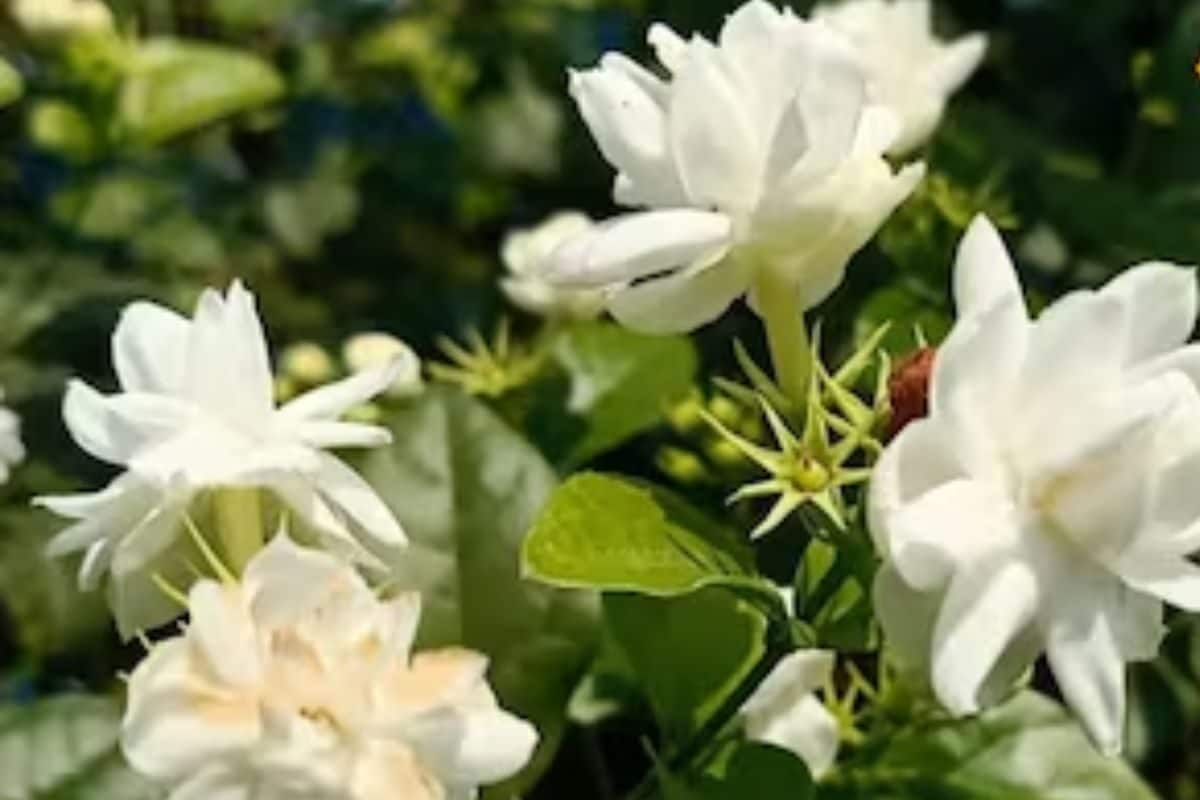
[
  {"x": 620, "y": 382},
  {"x": 12, "y": 85},
  {"x": 762, "y": 772},
  {"x": 601, "y": 532},
  {"x": 177, "y": 86},
  {"x": 1026, "y": 749},
  {"x": 690, "y": 653},
  {"x": 466, "y": 488},
  {"x": 65, "y": 748},
  {"x": 40, "y": 595}
]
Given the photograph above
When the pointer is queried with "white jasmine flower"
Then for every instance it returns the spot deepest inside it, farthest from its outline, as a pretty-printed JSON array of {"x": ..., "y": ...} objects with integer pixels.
[
  {"x": 366, "y": 351},
  {"x": 54, "y": 17},
  {"x": 785, "y": 712},
  {"x": 12, "y": 450},
  {"x": 758, "y": 157},
  {"x": 196, "y": 413},
  {"x": 909, "y": 69},
  {"x": 1048, "y": 502},
  {"x": 299, "y": 682},
  {"x": 527, "y": 255}
]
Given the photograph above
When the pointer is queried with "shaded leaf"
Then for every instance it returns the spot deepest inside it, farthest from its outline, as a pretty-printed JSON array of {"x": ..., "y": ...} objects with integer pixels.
[{"x": 466, "y": 488}]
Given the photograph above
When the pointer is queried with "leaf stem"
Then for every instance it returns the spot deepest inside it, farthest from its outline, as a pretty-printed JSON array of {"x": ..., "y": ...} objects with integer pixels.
[{"x": 698, "y": 744}]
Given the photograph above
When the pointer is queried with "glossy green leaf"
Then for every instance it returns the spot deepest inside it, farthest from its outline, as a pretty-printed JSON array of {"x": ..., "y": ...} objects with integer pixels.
[
  {"x": 65, "y": 748},
  {"x": 178, "y": 86},
  {"x": 602, "y": 532},
  {"x": 621, "y": 382},
  {"x": 1026, "y": 749},
  {"x": 466, "y": 488},
  {"x": 690, "y": 653}
]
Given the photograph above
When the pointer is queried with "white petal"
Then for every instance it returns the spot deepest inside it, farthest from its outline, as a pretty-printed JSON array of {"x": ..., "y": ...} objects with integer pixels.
[
  {"x": 149, "y": 349},
  {"x": 360, "y": 501},
  {"x": 712, "y": 137},
  {"x": 229, "y": 371},
  {"x": 495, "y": 745},
  {"x": 917, "y": 461},
  {"x": 329, "y": 435},
  {"x": 832, "y": 95},
  {"x": 987, "y": 607},
  {"x": 221, "y": 782},
  {"x": 808, "y": 730},
  {"x": 1086, "y": 659},
  {"x": 174, "y": 723},
  {"x": 680, "y": 302},
  {"x": 796, "y": 676},
  {"x": 116, "y": 428},
  {"x": 1161, "y": 301},
  {"x": 304, "y": 499},
  {"x": 285, "y": 581},
  {"x": 954, "y": 525},
  {"x": 1166, "y": 576},
  {"x": 637, "y": 245},
  {"x": 907, "y": 617},
  {"x": 669, "y": 47},
  {"x": 222, "y": 631},
  {"x": 984, "y": 275},
  {"x": 1076, "y": 342},
  {"x": 332, "y": 401},
  {"x": 957, "y": 63}
]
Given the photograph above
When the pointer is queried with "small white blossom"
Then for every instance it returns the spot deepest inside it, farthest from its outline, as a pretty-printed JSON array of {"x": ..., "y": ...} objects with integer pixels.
[
  {"x": 300, "y": 683},
  {"x": 909, "y": 69},
  {"x": 12, "y": 450},
  {"x": 1048, "y": 502},
  {"x": 54, "y": 17},
  {"x": 367, "y": 351},
  {"x": 757, "y": 155},
  {"x": 785, "y": 712},
  {"x": 527, "y": 255},
  {"x": 196, "y": 413}
]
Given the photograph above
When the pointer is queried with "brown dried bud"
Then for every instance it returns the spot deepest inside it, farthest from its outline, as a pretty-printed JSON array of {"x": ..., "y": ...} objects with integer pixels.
[{"x": 908, "y": 389}]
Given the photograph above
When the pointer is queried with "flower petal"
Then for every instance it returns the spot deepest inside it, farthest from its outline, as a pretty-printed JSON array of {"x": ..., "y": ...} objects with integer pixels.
[
  {"x": 1086, "y": 659},
  {"x": 360, "y": 501},
  {"x": 680, "y": 302},
  {"x": 807, "y": 730},
  {"x": 987, "y": 607},
  {"x": 332, "y": 401},
  {"x": 175, "y": 723},
  {"x": 984, "y": 275},
  {"x": 222, "y": 631},
  {"x": 285, "y": 581},
  {"x": 118, "y": 427},
  {"x": 229, "y": 370},
  {"x": 149, "y": 349},
  {"x": 1161, "y": 301},
  {"x": 957, "y": 63},
  {"x": 638, "y": 245}
]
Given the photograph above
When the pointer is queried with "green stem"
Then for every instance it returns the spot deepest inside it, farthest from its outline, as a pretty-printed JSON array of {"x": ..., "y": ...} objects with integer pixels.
[
  {"x": 786, "y": 335},
  {"x": 238, "y": 514},
  {"x": 693, "y": 750}
]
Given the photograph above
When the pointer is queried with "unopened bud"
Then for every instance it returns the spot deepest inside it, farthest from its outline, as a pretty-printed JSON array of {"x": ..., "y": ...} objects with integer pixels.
[
  {"x": 724, "y": 453},
  {"x": 367, "y": 413},
  {"x": 681, "y": 465},
  {"x": 308, "y": 364},
  {"x": 685, "y": 416},
  {"x": 810, "y": 475},
  {"x": 367, "y": 350},
  {"x": 908, "y": 389},
  {"x": 726, "y": 411}
]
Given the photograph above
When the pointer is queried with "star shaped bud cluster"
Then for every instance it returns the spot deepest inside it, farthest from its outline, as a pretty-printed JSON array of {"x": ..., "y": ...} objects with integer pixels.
[
  {"x": 835, "y": 445},
  {"x": 487, "y": 369}
]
